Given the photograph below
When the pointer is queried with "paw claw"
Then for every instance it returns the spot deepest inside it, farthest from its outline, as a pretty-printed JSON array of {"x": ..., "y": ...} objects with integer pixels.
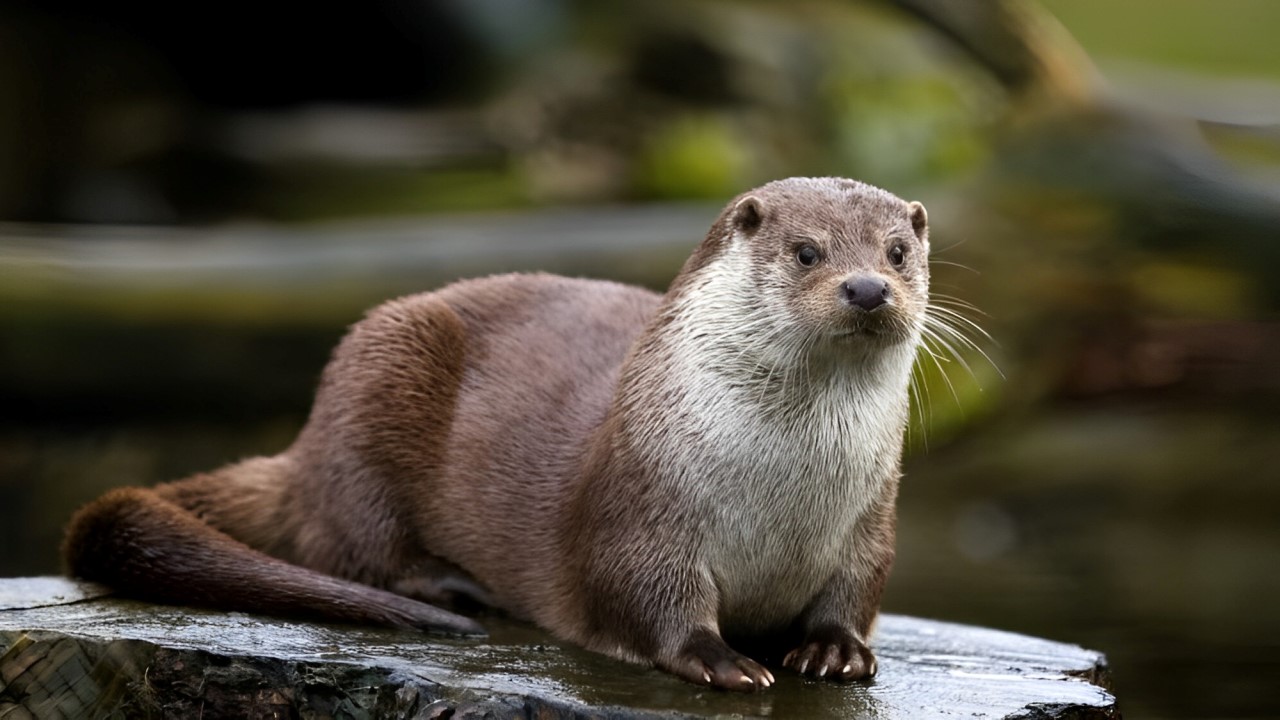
[
  {"x": 833, "y": 653},
  {"x": 705, "y": 658}
]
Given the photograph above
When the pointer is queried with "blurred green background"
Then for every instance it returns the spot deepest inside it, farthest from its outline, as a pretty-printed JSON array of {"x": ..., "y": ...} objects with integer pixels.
[{"x": 196, "y": 201}]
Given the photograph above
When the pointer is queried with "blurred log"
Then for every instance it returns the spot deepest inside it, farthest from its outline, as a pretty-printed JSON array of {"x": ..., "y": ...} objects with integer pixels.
[
  {"x": 1225, "y": 363},
  {"x": 105, "y": 322},
  {"x": 290, "y": 268},
  {"x": 66, "y": 652},
  {"x": 1020, "y": 44}
]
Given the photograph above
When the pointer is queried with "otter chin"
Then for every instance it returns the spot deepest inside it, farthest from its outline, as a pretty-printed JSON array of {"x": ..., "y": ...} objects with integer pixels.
[{"x": 641, "y": 474}]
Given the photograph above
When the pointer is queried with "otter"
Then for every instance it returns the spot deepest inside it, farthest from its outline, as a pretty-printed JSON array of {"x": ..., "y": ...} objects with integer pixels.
[{"x": 643, "y": 475}]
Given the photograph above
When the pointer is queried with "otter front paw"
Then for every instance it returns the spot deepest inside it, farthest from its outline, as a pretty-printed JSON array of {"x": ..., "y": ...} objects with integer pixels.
[
  {"x": 832, "y": 653},
  {"x": 705, "y": 659}
]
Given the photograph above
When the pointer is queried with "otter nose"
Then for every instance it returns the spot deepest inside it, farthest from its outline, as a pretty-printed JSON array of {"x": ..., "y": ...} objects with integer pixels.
[{"x": 865, "y": 291}]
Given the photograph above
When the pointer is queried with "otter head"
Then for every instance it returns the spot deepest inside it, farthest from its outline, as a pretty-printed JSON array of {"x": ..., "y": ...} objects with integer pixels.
[{"x": 831, "y": 263}]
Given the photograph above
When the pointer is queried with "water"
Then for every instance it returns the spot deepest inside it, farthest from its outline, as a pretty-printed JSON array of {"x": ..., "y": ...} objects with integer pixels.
[{"x": 1121, "y": 529}]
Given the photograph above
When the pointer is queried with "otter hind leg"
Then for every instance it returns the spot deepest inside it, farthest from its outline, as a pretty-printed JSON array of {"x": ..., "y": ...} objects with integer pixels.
[
  {"x": 246, "y": 500},
  {"x": 442, "y": 583}
]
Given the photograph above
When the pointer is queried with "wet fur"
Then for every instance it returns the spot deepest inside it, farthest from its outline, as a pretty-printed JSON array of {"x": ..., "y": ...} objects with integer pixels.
[{"x": 640, "y": 474}]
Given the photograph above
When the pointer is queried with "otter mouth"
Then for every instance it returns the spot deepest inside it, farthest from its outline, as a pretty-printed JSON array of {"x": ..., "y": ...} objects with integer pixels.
[
  {"x": 872, "y": 334},
  {"x": 881, "y": 332},
  {"x": 862, "y": 332}
]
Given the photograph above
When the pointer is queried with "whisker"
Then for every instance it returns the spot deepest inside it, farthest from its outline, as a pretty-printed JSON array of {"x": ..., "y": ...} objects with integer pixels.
[
  {"x": 961, "y": 318},
  {"x": 950, "y": 386},
  {"x": 922, "y": 409},
  {"x": 928, "y": 335},
  {"x": 941, "y": 325},
  {"x": 947, "y": 335},
  {"x": 935, "y": 261},
  {"x": 929, "y": 350},
  {"x": 950, "y": 247},
  {"x": 953, "y": 301},
  {"x": 942, "y": 333}
]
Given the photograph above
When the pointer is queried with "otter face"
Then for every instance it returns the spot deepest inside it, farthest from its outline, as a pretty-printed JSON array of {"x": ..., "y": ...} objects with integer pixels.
[{"x": 843, "y": 261}]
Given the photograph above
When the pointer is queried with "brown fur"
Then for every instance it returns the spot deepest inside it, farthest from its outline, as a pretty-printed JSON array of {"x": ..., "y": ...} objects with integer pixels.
[{"x": 489, "y": 442}]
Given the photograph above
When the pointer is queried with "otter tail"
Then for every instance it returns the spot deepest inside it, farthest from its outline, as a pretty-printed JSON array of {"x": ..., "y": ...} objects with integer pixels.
[{"x": 149, "y": 547}]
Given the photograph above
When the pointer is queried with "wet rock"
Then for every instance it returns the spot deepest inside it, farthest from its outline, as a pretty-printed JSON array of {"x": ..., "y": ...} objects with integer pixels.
[{"x": 69, "y": 650}]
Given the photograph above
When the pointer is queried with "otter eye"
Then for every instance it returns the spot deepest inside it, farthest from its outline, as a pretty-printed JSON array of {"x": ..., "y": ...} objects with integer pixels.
[
  {"x": 897, "y": 255},
  {"x": 807, "y": 255}
]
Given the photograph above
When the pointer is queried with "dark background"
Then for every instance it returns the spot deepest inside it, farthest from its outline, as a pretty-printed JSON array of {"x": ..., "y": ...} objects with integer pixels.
[{"x": 197, "y": 199}]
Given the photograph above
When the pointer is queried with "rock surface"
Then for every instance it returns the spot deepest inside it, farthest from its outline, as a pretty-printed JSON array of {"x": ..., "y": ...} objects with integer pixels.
[{"x": 69, "y": 650}]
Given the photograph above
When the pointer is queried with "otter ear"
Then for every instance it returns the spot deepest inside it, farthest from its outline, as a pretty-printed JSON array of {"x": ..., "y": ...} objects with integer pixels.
[
  {"x": 748, "y": 214},
  {"x": 919, "y": 221}
]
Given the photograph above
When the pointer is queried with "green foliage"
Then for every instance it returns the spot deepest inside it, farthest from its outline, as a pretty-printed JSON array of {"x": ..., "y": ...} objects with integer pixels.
[
  {"x": 306, "y": 192},
  {"x": 902, "y": 130},
  {"x": 697, "y": 155},
  {"x": 1226, "y": 37}
]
